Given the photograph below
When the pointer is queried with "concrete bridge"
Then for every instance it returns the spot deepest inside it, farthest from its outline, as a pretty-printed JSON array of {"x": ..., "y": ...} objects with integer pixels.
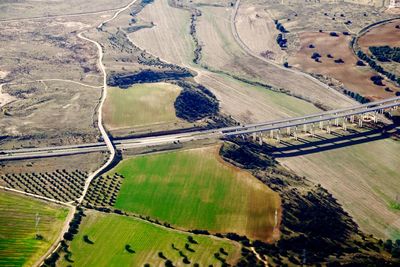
[
  {"x": 368, "y": 112},
  {"x": 358, "y": 114}
]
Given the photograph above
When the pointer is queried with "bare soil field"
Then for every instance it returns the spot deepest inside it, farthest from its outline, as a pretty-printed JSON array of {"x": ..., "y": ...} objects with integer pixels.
[
  {"x": 385, "y": 34},
  {"x": 382, "y": 35},
  {"x": 54, "y": 112},
  {"x": 85, "y": 162},
  {"x": 353, "y": 77},
  {"x": 299, "y": 16},
  {"x": 248, "y": 103},
  {"x": 33, "y": 8},
  {"x": 169, "y": 37},
  {"x": 364, "y": 179},
  {"x": 257, "y": 30}
]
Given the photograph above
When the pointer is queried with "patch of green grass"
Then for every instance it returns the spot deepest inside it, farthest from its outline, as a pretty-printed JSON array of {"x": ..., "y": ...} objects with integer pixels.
[
  {"x": 141, "y": 104},
  {"x": 125, "y": 241},
  {"x": 18, "y": 243},
  {"x": 195, "y": 189},
  {"x": 394, "y": 205}
]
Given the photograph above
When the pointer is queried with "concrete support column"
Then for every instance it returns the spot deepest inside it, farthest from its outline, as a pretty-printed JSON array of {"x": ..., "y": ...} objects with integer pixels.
[
  {"x": 360, "y": 121},
  {"x": 295, "y": 133},
  {"x": 254, "y": 136},
  {"x": 375, "y": 117},
  {"x": 321, "y": 125},
  {"x": 337, "y": 122},
  {"x": 278, "y": 135},
  {"x": 288, "y": 131},
  {"x": 312, "y": 130},
  {"x": 305, "y": 128},
  {"x": 352, "y": 118},
  {"x": 344, "y": 125},
  {"x": 271, "y": 134}
]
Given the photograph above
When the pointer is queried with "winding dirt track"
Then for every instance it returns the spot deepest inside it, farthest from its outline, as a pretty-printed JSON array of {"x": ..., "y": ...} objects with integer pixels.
[{"x": 103, "y": 132}]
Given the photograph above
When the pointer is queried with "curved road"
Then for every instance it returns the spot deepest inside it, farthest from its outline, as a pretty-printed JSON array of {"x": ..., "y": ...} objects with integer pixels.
[
  {"x": 103, "y": 132},
  {"x": 251, "y": 53}
]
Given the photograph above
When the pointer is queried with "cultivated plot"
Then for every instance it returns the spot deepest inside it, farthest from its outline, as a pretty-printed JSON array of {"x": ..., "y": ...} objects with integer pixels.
[
  {"x": 115, "y": 240},
  {"x": 21, "y": 242},
  {"x": 195, "y": 189},
  {"x": 142, "y": 107}
]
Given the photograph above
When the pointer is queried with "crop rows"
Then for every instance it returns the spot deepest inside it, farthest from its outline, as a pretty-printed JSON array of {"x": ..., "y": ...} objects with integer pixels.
[
  {"x": 103, "y": 191},
  {"x": 60, "y": 185}
]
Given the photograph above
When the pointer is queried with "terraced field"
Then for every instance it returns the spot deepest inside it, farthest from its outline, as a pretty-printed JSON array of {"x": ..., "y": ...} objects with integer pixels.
[
  {"x": 110, "y": 234},
  {"x": 195, "y": 189},
  {"x": 142, "y": 106},
  {"x": 18, "y": 243}
]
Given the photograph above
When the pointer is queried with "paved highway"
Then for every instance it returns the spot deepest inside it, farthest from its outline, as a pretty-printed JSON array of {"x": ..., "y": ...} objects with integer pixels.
[{"x": 331, "y": 115}]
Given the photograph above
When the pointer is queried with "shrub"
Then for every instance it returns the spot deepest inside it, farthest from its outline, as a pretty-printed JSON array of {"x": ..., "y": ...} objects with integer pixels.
[
  {"x": 360, "y": 63},
  {"x": 339, "y": 61},
  {"x": 334, "y": 34}
]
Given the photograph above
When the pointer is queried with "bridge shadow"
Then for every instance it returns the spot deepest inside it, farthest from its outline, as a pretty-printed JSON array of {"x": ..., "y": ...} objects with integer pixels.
[{"x": 325, "y": 143}]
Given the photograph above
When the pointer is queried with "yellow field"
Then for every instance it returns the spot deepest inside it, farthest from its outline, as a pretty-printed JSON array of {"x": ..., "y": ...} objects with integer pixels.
[{"x": 142, "y": 105}]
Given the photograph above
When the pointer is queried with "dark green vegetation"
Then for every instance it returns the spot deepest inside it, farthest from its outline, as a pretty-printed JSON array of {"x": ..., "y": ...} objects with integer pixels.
[
  {"x": 103, "y": 190},
  {"x": 193, "y": 189},
  {"x": 356, "y": 96},
  {"x": 378, "y": 67},
  {"x": 314, "y": 228},
  {"x": 124, "y": 80},
  {"x": 125, "y": 241},
  {"x": 60, "y": 184},
  {"x": 21, "y": 244},
  {"x": 386, "y": 53},
  {"x": 195, "y": 102}
]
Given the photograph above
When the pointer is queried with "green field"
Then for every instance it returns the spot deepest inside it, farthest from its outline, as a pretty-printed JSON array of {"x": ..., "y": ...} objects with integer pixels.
[
  {"x": 18, "y": 243},
  {"x": 110, "y": 233},
  {"x": 196, "y": 189},
  {"x": 140, "y": 105}
]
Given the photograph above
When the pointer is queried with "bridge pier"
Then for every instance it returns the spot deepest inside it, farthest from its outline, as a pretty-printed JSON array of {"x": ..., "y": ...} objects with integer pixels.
[
  {"x": 288, "y": 131},
  {"x": 295, "y": 133},
  {"x": 337, "y": 122},
  {"x": 321, "y": 125},
  {"x": 352, "y": 118},
  {"x": 260, "y": 140},
  {"x": 271, "y": 134},
  {"x": 278, "y": 135},
  {"x": 360, "y": 121},
  {"x": 344, "y": 126},
  {"x": 305, "y": 128}
]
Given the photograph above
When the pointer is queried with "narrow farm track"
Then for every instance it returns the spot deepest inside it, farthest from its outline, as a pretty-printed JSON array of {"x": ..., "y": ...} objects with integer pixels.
[
  {"x": 103, "y": 132},
  {"x": 62, "y": 15}
]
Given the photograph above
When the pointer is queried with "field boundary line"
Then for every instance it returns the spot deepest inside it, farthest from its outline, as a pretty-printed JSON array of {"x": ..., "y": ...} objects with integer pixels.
[{"x": 36, "y": 196}]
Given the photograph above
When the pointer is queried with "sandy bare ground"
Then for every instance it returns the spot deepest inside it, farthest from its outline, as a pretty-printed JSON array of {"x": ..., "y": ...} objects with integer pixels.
[
  {"x": 354, "y": 78},
  {"x": 5, "y": 98},
  {"x": 386, "y": 34},
  {"x": 169, "y": 38},
  {"x": 223, "y": 49},
  {"x": 364, "y": 178},
  {"x": 250, "y": 104},
  {"x": 257, "y": 30}
]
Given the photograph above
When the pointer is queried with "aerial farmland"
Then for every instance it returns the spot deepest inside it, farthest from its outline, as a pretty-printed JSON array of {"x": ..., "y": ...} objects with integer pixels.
[{"x": 199, "y": 133}]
